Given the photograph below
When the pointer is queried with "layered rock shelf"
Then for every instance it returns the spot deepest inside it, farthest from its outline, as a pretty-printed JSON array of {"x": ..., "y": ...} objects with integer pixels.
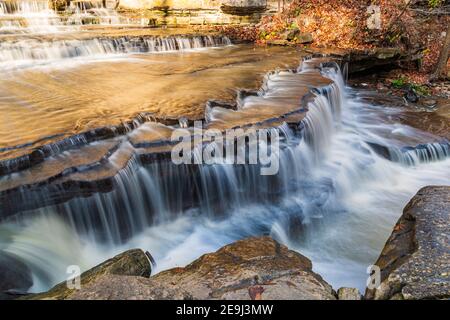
[{"x": 253, "y": 268}]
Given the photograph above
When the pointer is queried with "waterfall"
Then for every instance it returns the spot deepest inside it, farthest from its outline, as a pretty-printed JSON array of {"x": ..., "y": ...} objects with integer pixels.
[
  {"x": 334, "y": 199},
  {"x": 95, "y": 13},
  {"x": 34, "y": 16}
]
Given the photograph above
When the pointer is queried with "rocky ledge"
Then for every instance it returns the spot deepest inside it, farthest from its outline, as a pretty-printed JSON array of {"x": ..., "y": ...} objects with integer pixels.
[
  {"x": 415, "y": 262},
  {"x": 253, "y": 268}
]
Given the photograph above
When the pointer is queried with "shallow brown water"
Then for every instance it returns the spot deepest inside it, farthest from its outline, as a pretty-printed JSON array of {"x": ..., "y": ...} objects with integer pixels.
[{"x": 64, "y": 99}]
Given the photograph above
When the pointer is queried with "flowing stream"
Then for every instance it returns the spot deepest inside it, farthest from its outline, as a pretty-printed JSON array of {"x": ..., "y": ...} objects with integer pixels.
[{"x": 335, "y": 198}]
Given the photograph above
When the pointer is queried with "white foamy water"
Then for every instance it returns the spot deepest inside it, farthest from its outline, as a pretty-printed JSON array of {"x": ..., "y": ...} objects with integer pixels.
[
  {"x": 26, "y": 53},
  {"x": 337, "y": 201},
  {"x": 33, "y": 17}
]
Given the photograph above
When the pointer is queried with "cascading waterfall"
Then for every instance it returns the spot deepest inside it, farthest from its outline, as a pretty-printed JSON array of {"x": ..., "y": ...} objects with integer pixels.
[
  {"x": 36, "y": 16},
  {"x": 334, "y": 199}
]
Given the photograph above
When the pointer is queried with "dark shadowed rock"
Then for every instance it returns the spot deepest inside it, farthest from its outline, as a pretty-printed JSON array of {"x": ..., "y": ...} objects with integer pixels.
[
  {"x": 349, "y": 294},
  {"x": 254, "y": 268},
  {"x": 415, "y": 262},
  {"x": 130, "y": 263}
]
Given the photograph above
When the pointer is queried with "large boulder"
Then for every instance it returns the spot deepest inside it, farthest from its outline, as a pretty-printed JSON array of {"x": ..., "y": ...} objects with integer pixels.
[
  {"x": 254, "y": 268},
  {"x": 415, "y": 262},
  {"x": 130, "y": 263}
]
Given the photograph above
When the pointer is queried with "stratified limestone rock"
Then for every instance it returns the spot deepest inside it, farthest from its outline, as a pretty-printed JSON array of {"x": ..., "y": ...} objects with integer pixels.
[
  {"x": 415, "y": 262},
  {"x": 254, "y": 268},
  {"x": 130, "y": 263},
  {"x": 348, "y": 294}
]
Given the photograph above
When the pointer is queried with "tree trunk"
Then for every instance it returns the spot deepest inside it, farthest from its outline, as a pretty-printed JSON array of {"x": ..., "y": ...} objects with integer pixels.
[{"x": 441, "y": 66}]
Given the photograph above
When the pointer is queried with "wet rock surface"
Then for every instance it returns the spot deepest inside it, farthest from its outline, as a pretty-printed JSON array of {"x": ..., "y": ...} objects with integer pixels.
[
  {"x": 253, "y": 268},
  {"x": 349, "y": 294},
  {"x": 415, "y": 262}
]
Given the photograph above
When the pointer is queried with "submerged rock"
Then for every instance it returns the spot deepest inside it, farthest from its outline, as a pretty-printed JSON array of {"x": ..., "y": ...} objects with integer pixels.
[
  {"x": 130, "y": 263},
  {"x": 253, "y": 268},
  {"x": 415, "y": 262}
]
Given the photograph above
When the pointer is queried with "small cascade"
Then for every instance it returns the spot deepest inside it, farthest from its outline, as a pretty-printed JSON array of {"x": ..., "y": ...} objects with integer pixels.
[
  {"x": 85, "y": 12},
  {"x": 37, "y": 17}
]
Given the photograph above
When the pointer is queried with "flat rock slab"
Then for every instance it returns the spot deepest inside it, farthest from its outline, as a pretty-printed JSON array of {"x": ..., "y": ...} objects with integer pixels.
[
  {"x": 415, "y": 262},
  {"x": 128, "y": 264}
]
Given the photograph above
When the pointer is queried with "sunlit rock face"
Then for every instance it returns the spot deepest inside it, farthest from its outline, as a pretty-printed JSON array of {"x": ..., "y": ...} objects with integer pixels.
[
  {"x": 254, "y": 268},
  {"x": 243, "y": 7}
]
